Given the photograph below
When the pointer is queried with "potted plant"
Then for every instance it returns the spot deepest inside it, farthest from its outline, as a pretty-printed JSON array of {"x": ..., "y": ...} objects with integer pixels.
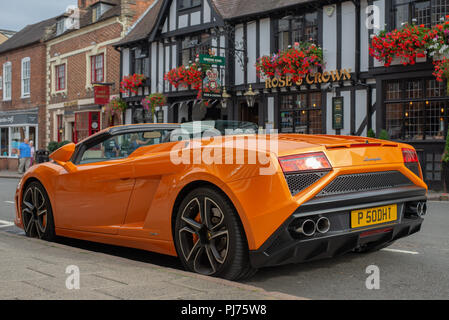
[
  {"x": 114, "y": 109},
  {"x": 384, "y": 135},
  {"x": 445, "y": 165},
  {"x": 371, "y": 133},
  {"x": 152, "y": 101}
]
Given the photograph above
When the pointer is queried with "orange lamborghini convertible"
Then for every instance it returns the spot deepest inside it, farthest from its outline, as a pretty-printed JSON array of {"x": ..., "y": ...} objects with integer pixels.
[{"x": 143, "y": 186}]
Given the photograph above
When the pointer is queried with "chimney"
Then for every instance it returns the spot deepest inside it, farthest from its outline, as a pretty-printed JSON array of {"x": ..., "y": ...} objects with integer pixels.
[
  {"x": 84, "y": 4},
  {"x": 133, "y": 9}
]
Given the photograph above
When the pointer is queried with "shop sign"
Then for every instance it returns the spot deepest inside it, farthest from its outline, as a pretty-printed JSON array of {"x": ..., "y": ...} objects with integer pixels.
[
  {"x": 337, "y": 113},
  {"x": 71, "y": 104},
  {"x": 18, "y": 119},
  {"x": 212, "y": 85},
  {"x": 101, "y": 95},
  {"x": 311, "y": 78},
  {"x": 212, "y": 60}
]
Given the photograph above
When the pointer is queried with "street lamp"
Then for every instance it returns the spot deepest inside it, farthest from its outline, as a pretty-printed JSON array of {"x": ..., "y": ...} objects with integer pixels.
[
  {"x": 251, "y": 96},
  {"x": 226, "y": 97}
]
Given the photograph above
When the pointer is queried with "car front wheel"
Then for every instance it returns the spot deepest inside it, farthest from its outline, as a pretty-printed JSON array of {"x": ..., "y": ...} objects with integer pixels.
[
  {"x": 37, "y": 215},
  {"x": 209, "y": 237}
]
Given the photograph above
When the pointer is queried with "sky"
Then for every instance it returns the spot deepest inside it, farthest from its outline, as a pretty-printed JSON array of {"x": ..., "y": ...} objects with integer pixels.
[{"x": 16, "y": 14}]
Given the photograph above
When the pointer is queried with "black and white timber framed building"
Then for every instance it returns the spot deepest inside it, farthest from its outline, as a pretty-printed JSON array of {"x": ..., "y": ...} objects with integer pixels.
[{"x": 406, "y": 101}]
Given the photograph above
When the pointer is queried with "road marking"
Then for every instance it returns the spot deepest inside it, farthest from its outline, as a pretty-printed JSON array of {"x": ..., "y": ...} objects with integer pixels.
[
  {"x": 4, "y": 224},
  {"x": 11, "y": 202},
  {"x": 401, "y": 251}
]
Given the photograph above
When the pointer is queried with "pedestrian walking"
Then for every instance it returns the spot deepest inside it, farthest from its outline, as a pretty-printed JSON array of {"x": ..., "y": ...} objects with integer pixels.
[
  {"x": 24, "y": 156},
  {"x": 32, "y": 153}
]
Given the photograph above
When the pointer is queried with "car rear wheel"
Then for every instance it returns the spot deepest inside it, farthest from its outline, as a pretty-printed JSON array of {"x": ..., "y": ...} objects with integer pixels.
[
  {"x": 37, "y": 215},
  {"x": 209, "y": 237}
]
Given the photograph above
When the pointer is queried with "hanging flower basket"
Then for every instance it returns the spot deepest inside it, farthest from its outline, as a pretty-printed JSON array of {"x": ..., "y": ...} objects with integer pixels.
[
  {"x": 115, "y": 108},
  {"x": 153, "y": 100},
  {"x": 413, "y": 44},
  {"x": 190, "y": 76},
  {"x": 131, "y": 83},
  {"x": 296, "y": 62},
  {"x": 406, "y": 44}
]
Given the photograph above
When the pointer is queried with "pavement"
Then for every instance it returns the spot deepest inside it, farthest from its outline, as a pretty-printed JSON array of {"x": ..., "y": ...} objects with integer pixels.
[
  {"x": 35, "y": 269},
  {"x": 6, "y": 174}
]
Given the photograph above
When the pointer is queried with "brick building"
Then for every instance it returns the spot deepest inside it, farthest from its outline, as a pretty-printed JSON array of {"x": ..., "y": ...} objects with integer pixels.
[
  {"x": 79, "y": 56},
  {"x": 22, "y": 91}
]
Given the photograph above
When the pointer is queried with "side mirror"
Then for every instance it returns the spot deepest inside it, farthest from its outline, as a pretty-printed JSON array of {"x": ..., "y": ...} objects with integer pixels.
[{"x": 63, "y": 154}]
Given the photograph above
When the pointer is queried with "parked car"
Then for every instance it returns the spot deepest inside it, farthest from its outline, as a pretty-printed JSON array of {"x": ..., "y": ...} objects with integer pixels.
[{"x": 325, "y": 196}]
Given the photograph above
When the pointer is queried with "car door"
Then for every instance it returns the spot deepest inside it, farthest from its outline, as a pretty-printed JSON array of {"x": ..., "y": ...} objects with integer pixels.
[{"x": 94, "y": 196}]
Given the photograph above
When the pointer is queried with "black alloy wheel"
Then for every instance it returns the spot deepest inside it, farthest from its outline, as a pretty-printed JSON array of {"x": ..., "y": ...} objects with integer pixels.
[
  {"x": 37, "y": 216},
  {"x": 209, "y": 237}
]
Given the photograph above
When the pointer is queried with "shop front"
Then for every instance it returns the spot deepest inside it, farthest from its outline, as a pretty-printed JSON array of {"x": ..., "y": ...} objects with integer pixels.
[
  {"x": 415, "y": 111},
  {"x": 301, "y": 113},
  {"x": 15, "y": 127},
  {"x": 74, "y": 122},
  {"x": 87, "y": 123}
]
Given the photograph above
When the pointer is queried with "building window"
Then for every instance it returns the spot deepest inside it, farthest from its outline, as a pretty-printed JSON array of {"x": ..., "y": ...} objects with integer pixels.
[
  {"x": 18, "y": 135},
  {"x": 96, "y": 13},
  {"x": 97, "y": 68},
  {"x": 160, "y": 116},
  {"x": 7, "y": 81},
  {"x": 26, "y": 75},
  {"x": 416, "y": 110},
  {"x": 141, "y": 62},
  {"x": 419, "y": 12},
  {"x": 60, "y": 26},
  {"x": 4, "y": 142},
  {"x": 301, "y": 113},
  {"x": 60, "y": 77},
  {"x": 298, "y": 28},
  {"x": 193, "y": 46},
  {"x": 60, "y": 127},
  {"x": 187, "y": 4}
]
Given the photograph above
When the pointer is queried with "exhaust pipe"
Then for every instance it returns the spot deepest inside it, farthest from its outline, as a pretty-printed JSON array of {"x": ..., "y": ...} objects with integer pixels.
[
  {"x": 307, "y": 228},
  {"x": 421, "y": 209},
  {"x": 418, "y": 209},
  {"x": 323, "y": 225}
]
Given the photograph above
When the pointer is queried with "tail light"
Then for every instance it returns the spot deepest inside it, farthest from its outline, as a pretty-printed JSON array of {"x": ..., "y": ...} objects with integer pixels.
[
  {"x": 305, "y": 162},
  {"x": 410, "y": 155},
  {"x": 411, "y": 161}
]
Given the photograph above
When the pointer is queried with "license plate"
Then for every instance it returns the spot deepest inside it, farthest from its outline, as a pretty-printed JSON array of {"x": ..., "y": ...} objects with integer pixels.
[{"x": 373, "y": 216}]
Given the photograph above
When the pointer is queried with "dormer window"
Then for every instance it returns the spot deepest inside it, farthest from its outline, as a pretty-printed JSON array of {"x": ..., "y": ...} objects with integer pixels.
[
  {"x": 60, "y": 26},
  {"x": 188, "y": 4},
  {"x": 96, "y": 13},
  {"x": 98, "y": 10}
]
